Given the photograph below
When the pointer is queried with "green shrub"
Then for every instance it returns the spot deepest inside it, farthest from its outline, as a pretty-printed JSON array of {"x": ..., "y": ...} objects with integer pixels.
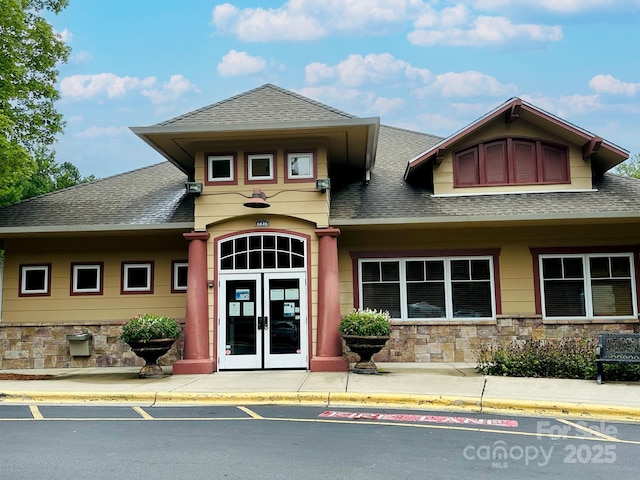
[
  {"x": 366, "y": 323},
  {"x": 146, "y": 326},
  {"x": 565, "y": 358}
]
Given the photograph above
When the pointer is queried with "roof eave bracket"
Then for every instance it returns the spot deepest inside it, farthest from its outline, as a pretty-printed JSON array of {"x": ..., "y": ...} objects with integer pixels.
[
  {"x": 591, "y": 148},
  {"x": 513, "y": 112}
]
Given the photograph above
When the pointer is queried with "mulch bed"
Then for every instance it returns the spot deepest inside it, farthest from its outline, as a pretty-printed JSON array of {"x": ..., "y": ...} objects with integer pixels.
[{"x": 22, "y": 376}]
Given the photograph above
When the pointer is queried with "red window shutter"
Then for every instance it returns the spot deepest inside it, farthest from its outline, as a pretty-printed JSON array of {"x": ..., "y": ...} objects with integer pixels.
[
  {"x": 495, "y": 163},
  {"x": 554, "y": 165},
  {"x": 524, "y": 162},
  {"x": 465, "y": 168}
]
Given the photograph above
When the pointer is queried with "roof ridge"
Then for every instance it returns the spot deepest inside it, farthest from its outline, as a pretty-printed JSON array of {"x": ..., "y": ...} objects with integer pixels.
[{"x": 252, "y": 91}]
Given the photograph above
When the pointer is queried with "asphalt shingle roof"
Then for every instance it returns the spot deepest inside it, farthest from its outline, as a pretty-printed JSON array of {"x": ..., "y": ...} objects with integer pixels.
[
  {"x": 265, "y": 104},
  {"x": 148, "y": 196},
  {"x": 156, "y": 196}
]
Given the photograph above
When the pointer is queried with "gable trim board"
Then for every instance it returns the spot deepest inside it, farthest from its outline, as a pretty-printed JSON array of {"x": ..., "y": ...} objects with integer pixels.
[
  {"x": 591, "y": 144},
  {"x": 392, "y": 197}
]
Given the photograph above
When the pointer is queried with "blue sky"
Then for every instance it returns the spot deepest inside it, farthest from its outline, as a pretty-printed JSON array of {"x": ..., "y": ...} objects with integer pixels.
[{"x": 430, "y": 66}]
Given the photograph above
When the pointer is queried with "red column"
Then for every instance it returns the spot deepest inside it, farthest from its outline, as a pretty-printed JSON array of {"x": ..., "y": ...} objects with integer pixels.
[
  {"x": 328, "y": 356},
  {"x": 196, "y": 335}
]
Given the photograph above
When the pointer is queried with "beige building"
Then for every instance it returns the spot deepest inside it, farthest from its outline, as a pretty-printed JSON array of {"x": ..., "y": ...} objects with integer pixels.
[{"x": 274, "y": 214}]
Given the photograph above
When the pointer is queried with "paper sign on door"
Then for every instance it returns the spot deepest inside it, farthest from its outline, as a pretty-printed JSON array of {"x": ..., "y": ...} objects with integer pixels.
[{"x": 289, "y": 309}]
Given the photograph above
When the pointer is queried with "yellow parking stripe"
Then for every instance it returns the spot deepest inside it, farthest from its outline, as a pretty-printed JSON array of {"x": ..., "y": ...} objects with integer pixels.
[
  {"x": 142, "y": 413},
  {"x": 251, "y": 413},
  {"x": 35, "y": 411},
  {"x": 596, "y": 433}
]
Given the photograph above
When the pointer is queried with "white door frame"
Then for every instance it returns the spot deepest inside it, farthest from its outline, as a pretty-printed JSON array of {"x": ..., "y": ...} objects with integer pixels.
[{"x": 296, "y": 300}]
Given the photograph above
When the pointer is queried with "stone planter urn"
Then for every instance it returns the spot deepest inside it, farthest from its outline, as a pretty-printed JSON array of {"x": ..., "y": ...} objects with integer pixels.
[
  {"x": 150, "y": 336},
  {"x": 150, "y": 352},
  {"x": 365, "y": 347}
]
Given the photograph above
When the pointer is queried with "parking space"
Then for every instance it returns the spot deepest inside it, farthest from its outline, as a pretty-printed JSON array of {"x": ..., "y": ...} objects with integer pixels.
[{"x": 538, "y": 427}]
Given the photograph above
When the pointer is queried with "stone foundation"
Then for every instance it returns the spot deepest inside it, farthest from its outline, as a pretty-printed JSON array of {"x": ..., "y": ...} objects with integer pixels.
[
  {"x": 27, "y": 346},
  {"x": 459, "y": 342}
]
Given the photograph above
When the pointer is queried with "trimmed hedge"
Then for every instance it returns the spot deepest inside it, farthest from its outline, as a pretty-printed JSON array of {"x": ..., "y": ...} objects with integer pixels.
[{"x": 565, "y": 358}]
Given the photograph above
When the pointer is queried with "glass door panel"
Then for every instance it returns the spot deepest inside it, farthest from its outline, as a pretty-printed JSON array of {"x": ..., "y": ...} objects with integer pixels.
[
  {"x": 286, "y": 321},
  {"x": 240, "y": 340}
]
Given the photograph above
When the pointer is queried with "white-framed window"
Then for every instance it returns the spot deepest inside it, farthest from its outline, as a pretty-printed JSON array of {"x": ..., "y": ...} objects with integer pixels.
[
  {"x": 260, "y": 167},
  {"x": 35, "y": 280},
  {"x": 86, "y": 279},
  {"x": 221, "y": 168},
  {"x": 429, "y": 288},
  {"x": 300, "y": 166},
  {"x": 137, "y": 277},
  {"x": 179, "y": 276},
  {"x": 593, "y": 285}
]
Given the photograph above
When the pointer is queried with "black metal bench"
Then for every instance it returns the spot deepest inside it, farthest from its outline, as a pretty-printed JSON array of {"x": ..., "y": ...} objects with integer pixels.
[{"x": 617, "y": 348}]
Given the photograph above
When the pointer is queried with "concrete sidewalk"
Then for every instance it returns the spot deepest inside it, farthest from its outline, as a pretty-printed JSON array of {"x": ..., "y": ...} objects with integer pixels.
[{"x": 424, "y": 386}]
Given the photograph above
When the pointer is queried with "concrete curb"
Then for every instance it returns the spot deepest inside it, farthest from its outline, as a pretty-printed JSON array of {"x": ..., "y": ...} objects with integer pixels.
[
  {"x": 336, "y": 399},
  {"x": 561, "y": 409}
]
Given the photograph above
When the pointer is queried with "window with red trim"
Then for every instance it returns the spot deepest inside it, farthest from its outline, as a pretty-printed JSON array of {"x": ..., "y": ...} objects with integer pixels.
[{"x": 511, "y": 161}]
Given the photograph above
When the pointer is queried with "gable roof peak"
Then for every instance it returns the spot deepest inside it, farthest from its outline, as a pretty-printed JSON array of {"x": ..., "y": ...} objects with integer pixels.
[
  {"x": 515, "y": 108},
  {"x": 267, "y": 103}
]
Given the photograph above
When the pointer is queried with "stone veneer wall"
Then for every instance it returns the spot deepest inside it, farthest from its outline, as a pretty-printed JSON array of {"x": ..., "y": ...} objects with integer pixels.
[
  {"x": 459, "y": 342},
  {"x": 27, "y": 346}
]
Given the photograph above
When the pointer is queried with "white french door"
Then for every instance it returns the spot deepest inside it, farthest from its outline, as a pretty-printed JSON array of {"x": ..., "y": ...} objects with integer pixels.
[{"x": 262, "y": 320}]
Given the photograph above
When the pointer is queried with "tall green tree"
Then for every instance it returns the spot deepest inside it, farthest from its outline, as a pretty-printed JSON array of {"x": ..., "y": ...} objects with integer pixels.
[
  {"x": 50, "y": 176},
  {"x": 29, "y": 53},
  {"x": 630, "y": 167}
]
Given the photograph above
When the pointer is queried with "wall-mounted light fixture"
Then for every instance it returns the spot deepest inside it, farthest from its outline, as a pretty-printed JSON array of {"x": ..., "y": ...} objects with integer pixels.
[
  {"x": 258, "y": 200},
  {"x": 194, "y": 188},
  {"x": 323, "y": 184}
]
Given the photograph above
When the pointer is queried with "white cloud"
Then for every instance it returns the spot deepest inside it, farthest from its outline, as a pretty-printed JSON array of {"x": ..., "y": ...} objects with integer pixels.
[
  {"x": 236, "y": 63},
  {"x": 610, "y": 84},
  {"x": 357, "y": 70},
  {"x": 90, "y": 86},
  {"x": 459, "y": 24},
  {"x": 299, "y": 20},
  {"x": 177, "y": 86},
  {"x": 383, "y": 106},
  {"x": 468, "y": 84},
  {"x": 261, "y": 25},
  {"x": 566, "y": 105},
  {"x": 458, "y": 29},
  {"x": 98, "y": 132},
  {"x": 557, "y": 6}
]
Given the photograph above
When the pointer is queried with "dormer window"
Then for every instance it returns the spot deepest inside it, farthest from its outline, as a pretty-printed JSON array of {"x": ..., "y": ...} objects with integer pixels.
[
  {"x": 511, "y": 161},
  {"x": 221, "y": 169},
  {"x": 300, "y": 166},
  {"x": 260, "y": 168}
]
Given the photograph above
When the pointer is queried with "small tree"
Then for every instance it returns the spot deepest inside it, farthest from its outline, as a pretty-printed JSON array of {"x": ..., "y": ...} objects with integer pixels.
[{"x": 630, "y": 167}]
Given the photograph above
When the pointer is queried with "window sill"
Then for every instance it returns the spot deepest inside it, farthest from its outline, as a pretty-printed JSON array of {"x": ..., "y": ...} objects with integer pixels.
[
  {"x": 573, "y": 321},
  {"x": 455, "y": 321}
]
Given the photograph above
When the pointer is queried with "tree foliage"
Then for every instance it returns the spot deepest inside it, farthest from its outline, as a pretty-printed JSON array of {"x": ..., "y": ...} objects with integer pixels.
[
  {"x": 29, "y": 52},
  {"x": 50, "y": 176},
  {"x": 630, "y": 167}
]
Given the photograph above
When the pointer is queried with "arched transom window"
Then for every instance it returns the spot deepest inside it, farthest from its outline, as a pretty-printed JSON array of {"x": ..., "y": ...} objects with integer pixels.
[{"x": 262, "y": 251}]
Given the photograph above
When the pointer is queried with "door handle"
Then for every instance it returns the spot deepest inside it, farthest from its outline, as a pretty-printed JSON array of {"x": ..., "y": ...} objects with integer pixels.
[{"x": 266, "y": 323}]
